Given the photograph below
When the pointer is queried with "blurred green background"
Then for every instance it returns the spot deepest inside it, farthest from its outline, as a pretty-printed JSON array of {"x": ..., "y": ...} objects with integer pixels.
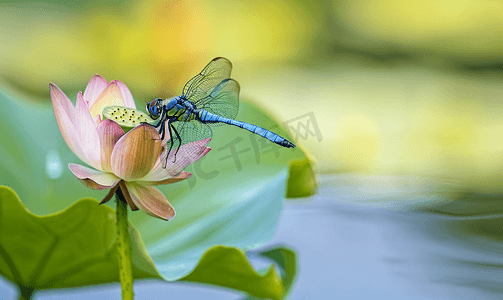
[
  {"x": 395, "y": 87},
  {"x": 375, "y": 87}
]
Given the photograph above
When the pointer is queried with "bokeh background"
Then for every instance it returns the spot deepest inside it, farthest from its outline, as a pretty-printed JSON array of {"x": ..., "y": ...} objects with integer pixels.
[
  {"x": 395, "y": 87},
  {"x": 384, "y": 90}
]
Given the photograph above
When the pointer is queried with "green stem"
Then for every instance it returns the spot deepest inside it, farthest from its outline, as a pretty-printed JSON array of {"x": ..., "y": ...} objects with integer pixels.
[
  {"x": 25, "y": 293},
  {"x": 124, "y": 247}
]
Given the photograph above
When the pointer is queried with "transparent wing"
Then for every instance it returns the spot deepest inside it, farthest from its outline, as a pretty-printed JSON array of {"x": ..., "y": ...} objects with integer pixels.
[
  {"x": 223, "y": 100},
  {"x": 189, "y": 132},
  {"x": 213, "y": 90},
  {"x": 203, "y": 83},
  {"x": 193, "y": 131}
]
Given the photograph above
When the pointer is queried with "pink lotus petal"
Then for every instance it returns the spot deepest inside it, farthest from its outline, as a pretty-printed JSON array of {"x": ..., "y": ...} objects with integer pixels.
[
  {"x": 127, "y": 195},
  {"x": 126, "y": 94},
  {"x": 163, "y": 177},
  {"x": 97, "y": 120},
  {"x": 67, "y": 129},
  {"x": 159, "y": 164},
  {"x": 89, "y": 183},
  {"x": 186, "y": 155},
  {"x": 151, "y": 201},
  {"x": 110, "y": 96},
  {"x": 89, "y": 139},
  {"x": 94, "y": 88},
  {"x": 110, "y": 194},
  {"x": 67, "y": 105},
  {"x": 93, "y": 178},
  {"x": 109, "y": 132},
  {"x": 136, "y": 152}
]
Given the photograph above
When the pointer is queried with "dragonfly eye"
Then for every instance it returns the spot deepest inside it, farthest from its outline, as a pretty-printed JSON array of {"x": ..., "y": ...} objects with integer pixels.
[{"x": 153, "y": 108}]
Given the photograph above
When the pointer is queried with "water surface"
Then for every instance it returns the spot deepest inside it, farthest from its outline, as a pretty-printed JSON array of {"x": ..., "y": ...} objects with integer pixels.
[{"x": 369, "y": 237}]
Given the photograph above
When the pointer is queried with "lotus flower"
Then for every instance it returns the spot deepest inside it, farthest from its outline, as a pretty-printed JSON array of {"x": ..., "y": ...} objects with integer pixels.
[{"x": 132, "y": 160}]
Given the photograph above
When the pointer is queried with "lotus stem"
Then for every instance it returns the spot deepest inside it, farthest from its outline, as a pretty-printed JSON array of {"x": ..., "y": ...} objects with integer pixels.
[
  {"x": 25, "y": 293},
  {"x": 124, "y": 247}
]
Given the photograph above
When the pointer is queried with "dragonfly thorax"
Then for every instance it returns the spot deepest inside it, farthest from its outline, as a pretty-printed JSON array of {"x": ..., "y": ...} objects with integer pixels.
[
  {"x": 169, "y": 103},
  {"x": 180, "y": 108}
]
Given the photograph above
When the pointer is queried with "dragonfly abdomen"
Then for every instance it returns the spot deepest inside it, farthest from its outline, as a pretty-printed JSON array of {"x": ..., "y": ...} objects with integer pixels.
[{"x": 207, "y": 117}]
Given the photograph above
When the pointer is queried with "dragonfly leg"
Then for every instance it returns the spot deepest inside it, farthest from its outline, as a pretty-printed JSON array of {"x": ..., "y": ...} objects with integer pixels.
[
  {"x": 162, "y": 129},
  {"x": 161, "y": 121},
  {"x": 180, "y": 139},
  {"x": 171, "y": 139},
  {"x": 162, "y": 132}
]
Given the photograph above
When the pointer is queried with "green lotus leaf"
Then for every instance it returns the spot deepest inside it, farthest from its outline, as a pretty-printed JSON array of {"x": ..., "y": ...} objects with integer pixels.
[
  {"x": 234, "y": 197},
  {"x": 229, "y": 267},
  {"x": 73, "y": 247},
  {"x": 286, "y": 260},
  {"x": 301, "y": 180},
  {"x": 77, "y": 247},
  {"x": 33, "y": 148}
]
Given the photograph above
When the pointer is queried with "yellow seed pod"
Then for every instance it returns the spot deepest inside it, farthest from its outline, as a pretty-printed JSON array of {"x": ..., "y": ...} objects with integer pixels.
[{"x": 126, "y": 117}]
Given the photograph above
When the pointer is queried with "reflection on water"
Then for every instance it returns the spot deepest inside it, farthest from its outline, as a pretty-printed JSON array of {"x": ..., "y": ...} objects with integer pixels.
[
  {"x": 372, "y": 237},
  {"x": 53, "y": 165},
  {"x": 416, "y": 238}
]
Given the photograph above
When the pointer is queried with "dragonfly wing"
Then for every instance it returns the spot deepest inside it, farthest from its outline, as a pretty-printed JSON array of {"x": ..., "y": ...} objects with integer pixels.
[
  {"x": 193, "y": 131},
  {"x": 203, "y": 83},
  {"x": 213, "y": 90},
  {"x": 223, "y": 100},
  {"x": 189, "y": 132}
]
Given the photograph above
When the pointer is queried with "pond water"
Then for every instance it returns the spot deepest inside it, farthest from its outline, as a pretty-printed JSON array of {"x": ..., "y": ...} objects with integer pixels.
[{"x": 368, "y": 237}]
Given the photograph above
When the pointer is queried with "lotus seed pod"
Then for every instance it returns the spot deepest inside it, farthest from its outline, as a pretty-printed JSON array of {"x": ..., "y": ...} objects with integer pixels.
[{"x": 126, "y": 117}]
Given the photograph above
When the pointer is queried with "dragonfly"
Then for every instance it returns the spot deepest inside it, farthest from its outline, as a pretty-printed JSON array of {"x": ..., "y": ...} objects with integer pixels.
[{"x": 211, "y": 98}]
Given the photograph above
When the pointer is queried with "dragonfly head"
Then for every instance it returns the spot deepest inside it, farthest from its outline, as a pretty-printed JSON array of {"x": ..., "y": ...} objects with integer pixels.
[{"x": 154, "y": 108}]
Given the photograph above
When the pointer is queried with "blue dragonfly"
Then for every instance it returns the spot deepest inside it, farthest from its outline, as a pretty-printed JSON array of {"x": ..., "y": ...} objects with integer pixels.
[{"x": 210, "y": 98}]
